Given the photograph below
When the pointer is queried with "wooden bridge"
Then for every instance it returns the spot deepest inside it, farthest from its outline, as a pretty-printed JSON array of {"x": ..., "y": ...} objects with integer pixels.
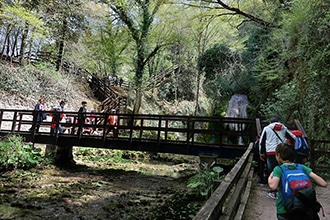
[{"x": 187, "y": 135}]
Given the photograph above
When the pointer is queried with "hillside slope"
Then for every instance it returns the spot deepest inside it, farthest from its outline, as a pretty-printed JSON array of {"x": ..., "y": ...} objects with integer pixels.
[{"x": 21, "y": 87}]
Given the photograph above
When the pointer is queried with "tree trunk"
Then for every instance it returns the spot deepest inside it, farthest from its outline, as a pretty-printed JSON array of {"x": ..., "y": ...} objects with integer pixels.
[
  {"x": 23, "y": 43},
  {"x": 140, "y": 64},
  {"x": 8, "y": 30},
  {"x": 138, "y": 101},
  {"x": 61, "y": 45},
  {"x": 197, "y": 92},
  {"x": 14, "y": 44},
  {"x": 30, "y": 46}
]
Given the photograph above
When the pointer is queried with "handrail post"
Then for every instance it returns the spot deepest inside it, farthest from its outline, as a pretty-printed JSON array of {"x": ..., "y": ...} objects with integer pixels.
[
  {"x": 141, "y": 129},
  {"x": 19, "y": 121},
  {"x": 105, "y": 121},
  {"x": 312, "y": 153},
  {"x": 188, "y": 129},
  {"x": 221, "y": 128},
  {"x": 258, "y": 125},
  {"x": 131, "y": 130},
  {"x": 300, "y": 127},
  {"x": 14, "y": 122},
  {"x": 166, "y": 128},
  {"x": 159, "y": 132}
]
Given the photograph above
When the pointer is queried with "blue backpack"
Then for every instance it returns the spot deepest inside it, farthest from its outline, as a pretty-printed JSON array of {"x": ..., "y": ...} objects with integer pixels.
[
  {"x": 293, "y": 181},
  {"x": 298, "y": 194},
  {"x": 301, "y": 146}
]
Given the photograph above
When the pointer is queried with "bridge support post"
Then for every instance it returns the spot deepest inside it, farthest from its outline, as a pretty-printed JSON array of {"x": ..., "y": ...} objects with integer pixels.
[
  {"x": 62, "y": 155},
  {"x": 50, "y": 150}
]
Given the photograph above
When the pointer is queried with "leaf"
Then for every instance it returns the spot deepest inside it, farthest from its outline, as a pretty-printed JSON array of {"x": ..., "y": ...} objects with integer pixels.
[{"x": 217, "y": 169}]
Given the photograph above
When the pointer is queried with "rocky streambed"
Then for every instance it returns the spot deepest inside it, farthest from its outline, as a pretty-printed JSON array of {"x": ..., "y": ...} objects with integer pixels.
[{"x": 101, "y": 189}]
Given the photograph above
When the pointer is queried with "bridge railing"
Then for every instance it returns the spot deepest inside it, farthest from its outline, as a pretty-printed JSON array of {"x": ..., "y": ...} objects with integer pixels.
[
  {"x": 228, "y": 200},
  {"x": 185, "y": 134}
]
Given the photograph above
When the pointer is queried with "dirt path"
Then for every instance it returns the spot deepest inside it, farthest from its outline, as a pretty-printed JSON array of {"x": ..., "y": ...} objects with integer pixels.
[{"x": 261, "y": 207}]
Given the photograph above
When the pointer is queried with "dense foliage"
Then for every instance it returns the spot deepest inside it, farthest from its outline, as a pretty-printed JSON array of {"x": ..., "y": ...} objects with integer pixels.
[
  {"x": 202, "y": 183},
  {"x": 295, "y": 71},
  {"x": 15, "y": 154}
]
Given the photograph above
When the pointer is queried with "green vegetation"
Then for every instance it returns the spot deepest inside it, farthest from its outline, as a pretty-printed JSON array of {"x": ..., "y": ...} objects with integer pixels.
[
  {"x": 16, "y": 154},
  {"x": 202, "y": 183},
  {"x": 101, "y": 155}
]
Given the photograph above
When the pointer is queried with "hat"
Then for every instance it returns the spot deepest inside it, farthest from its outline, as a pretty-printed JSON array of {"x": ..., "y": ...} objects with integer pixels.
[{"x": 275, "y": 119}]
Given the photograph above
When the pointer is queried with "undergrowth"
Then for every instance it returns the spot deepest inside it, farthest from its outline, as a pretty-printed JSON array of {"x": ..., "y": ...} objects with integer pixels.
[
  {"x": 202, "y": 183},
  {"x": 15, "y": 154}
]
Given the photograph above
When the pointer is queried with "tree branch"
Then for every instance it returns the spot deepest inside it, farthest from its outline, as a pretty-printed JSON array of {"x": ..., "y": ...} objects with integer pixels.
[
  {"x": 249, "y": 16},
  {"x": 127, "y": 20},
  {"x": 152, "y": 54}
]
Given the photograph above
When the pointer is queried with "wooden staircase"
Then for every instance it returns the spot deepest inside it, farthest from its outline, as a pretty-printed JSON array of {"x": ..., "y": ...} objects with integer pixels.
[{"x": 112, "y": 96}]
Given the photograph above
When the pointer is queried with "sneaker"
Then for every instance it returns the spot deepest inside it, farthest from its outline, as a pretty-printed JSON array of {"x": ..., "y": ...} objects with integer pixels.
[{"x": 271, "y": 195}]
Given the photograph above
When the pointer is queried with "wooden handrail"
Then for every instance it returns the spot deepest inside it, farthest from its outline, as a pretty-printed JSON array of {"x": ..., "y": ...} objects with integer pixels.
[
  {"x": 219, "y": 205},
  {"x": 259, "y": 128},
  {"x": 300, "y": 127}
]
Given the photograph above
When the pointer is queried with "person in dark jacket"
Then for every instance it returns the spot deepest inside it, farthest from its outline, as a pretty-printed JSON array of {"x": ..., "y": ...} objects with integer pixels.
[
  {"x": 82, "y": 116},
  {"x": 38, "y": 115}
]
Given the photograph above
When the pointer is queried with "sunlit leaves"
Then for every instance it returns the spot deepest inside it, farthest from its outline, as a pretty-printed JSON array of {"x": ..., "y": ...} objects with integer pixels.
[{"x": 18, "y": 16}]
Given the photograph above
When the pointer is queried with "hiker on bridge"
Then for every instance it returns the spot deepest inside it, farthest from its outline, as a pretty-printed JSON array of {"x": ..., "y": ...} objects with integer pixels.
[
  {"x": 91, "y": 120},
  {"x": 57, "y": 116},
  {"x": 38, "y": 115},
  {"x": 113, "y": 123},
  {"x": 82, "y": 116}
]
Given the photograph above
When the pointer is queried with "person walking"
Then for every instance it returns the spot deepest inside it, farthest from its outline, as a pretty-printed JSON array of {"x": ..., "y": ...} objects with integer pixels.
[
  {"x": 272, "y": 135},
  {"x": 38, "y": 115},
  {"x": 285, "y": 156},
  {"x": 58, "y": 115},
  {"x": 82, "y": 116},
  {"x": 113, "y": 123}
]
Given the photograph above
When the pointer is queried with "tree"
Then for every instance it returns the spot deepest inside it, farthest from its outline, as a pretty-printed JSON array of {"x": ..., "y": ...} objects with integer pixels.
[
  {"x": 138, "y": 16},
  {"x": 22, "y": 22},
  {"x": 290, "y": 65},
  {"x": 303, "y": 45}
]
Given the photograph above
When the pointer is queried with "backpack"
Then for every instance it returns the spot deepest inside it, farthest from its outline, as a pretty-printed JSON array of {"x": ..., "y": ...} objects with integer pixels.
[
  {"x": 301, "y": 146},
  {"x": 298, "y": 194}
]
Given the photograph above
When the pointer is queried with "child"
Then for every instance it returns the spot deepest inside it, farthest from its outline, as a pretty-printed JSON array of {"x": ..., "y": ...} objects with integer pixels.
[
  {"x": 113, "y": 123},
  {"x": 285, "y": 155}
]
